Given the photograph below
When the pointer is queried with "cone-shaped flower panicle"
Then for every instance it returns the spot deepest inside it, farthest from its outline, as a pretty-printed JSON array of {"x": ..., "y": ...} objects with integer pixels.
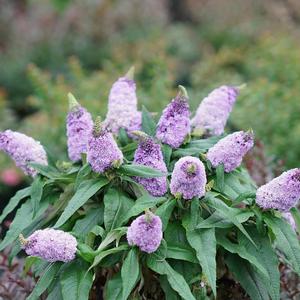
[
  {"x": 103, "y": 152},
  {"x": 281, "y": 193},
  {"x": 174, "y": 124},
  {"x": 149, "y": 154},
  {"x": 122, "y": 105},
  {"x": 289, "y": 218},
  {"x": 188, "y": 178},
  {"x": 230, "y": 150},
  {"x": 23, "y": 150},
  {"x": 214, "y": 110},
  {"x": 145, "y": 232},
  {"x": 51, "y": 245},
  {"x": 79, "y": 128}
]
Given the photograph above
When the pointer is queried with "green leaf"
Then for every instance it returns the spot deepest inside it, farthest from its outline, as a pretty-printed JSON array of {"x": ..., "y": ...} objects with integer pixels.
[
  {"x": 123, "y": 137},
  {"x": 55, "y": 293},
  {"x": 170, "y": 294},
  {"x": 23, "y": 219},
  {"x": 93, "y": 217},
  {"x": 167, "y": 153},
  {"x": 116, "y": 204},
  {"x": 176, "y": 280},
  {"x": 195, "y": 147},
  {"x": 226, "y": 211},
  {"x": 286, "y": 241},
  {"x": 130, "y": 272},
  {"x": 84, "y": 171},
  {"x": 244, "y": 196},
  {"x": 220, "y": 177},
  {"x": 113, "y": 288},
  {"x": 178, "y": 246},
  {"x": 148, "y": 124},
  {"x": 140, "y": 171},
  {"x": 44, "y": 281},
  {"x": 165, "y": 211},
  {"x": 75, "y": 281},
  {"x": 296, "y": 215},
  {"x": 47, "y": 171},
  {"x": 267, "y": 257},
  {"x": 14, "y": 202},
  {"x": 204, "y": 242},
  {"x": 105, "y": 253},
  {"x": 181, "y": 253},
  {"x": 144, "y": 202},
  {"x": 241, "y": 251},
  {"x": 247, "y": 276},
  {"x": 85, "y": 191},
  {"x": 217, "y": 220},
  {"x": 36, "y": 193}
]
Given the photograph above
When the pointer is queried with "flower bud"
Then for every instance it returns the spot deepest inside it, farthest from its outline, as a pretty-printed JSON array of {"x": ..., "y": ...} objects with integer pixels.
[
  {"x": 230, "y": 150},
  {"x": 174, "y": 124},
  {"x": 282, "y": 193},
  {"x": 23, "y": 150},
  {"x": 145, "y": 232},
  {"x": 214, "y": 110},
  {"x": 51, "y": 245},
  {"x": 79, "y": 128},
  {"x": 188, "y": 178}
]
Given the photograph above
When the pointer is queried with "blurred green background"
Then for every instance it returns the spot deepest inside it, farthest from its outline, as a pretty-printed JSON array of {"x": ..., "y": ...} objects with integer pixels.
[{"x": 51, "y": 47}]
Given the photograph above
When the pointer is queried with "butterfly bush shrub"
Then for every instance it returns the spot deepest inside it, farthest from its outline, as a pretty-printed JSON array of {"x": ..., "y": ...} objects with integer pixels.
[{"x": 159, "y": 210}]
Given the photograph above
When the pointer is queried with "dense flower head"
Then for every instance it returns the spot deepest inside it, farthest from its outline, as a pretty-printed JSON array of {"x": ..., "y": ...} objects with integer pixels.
[
  {"x": 230, "y": 150},
  {"x": 289, "y": 218},
  {"x": 214, "y": 110},
  {"x": 103, "y": 152},
  {"x": 149, "y": 154},
  {"x": 79, "y": 128},
  {"x": 145, "y": 232},
  {"x": 23, "y": 150},
  {"x": 174, "y": 124},
  {"x": 281, "y": 193},
  {"x": 122, "y": 105},
  {"x": 51, "y": 245},
  {"x": 188, "y": 178}
]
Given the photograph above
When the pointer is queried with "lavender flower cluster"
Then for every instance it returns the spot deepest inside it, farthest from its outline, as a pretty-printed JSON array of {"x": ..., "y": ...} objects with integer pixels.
[
  {"x": 281, "y": 193},
  {"x": 103, "y": 152},
  {"x": 174, "y": 124},
  {"x": 79, "y": 128},
  {"x": 214, "y": 110},
  {"x": 122, "y": 105},
  {"x": 230, "y": 150},
  {"x": 188, "y": 178},
  {"x": 51, "y": 245},
  {"x": 149, "y": 154},
  {"x": 145, "y": 232},
  {"x": 23, "y": 150}
]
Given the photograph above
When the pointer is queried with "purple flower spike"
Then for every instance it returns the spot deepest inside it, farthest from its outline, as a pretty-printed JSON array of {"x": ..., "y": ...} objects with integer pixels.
[
  {"x": 149, "y": 154},
  {"x": 103, "y": 152},
  {"x": 174, "y": 124},
  {"x": 145, "y": 232},
  {"x": 79, "y": 128},
  {"x": 51, "y": 245},
  {"x": 230, "y": 150},
  {"x": 188, "y": 178},
  {"x": 122, "y": 105},
  {"x": 23, "y": 150},
  {"x": 214, "y": 110},
  {"x": 281, "y": 193},
  {"x": 289, "y": 218}
]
